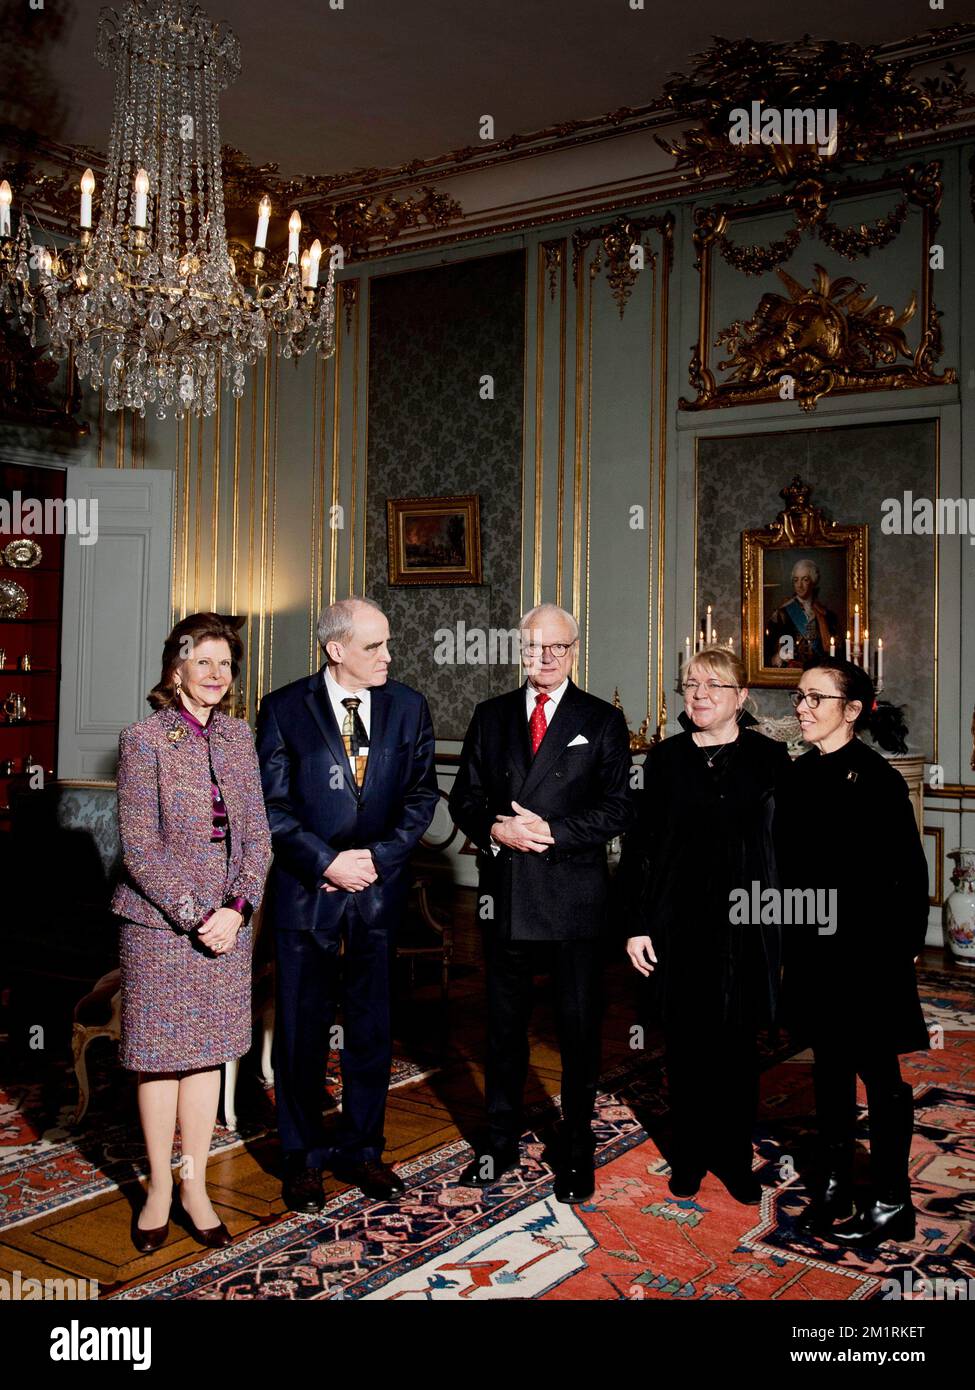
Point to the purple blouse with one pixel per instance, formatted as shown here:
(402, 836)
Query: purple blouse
(218, 833)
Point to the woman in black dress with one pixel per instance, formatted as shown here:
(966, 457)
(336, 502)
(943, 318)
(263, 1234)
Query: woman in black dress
(704, 830)
(845, 825)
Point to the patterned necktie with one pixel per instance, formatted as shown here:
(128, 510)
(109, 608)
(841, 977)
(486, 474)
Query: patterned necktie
(355, 738)
(538, 724)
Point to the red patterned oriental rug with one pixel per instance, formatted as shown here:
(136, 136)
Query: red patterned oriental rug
(633, 1240)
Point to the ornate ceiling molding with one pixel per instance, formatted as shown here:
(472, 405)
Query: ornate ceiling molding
(869, 95)
(380, 211)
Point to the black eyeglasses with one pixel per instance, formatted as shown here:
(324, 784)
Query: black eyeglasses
(811, 697)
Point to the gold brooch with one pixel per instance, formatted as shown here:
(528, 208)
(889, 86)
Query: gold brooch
(174, 735)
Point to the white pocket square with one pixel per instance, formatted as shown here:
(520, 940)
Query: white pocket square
(577, 741)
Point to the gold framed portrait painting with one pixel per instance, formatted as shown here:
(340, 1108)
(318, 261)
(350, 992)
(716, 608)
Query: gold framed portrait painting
(434, 540)
(804, 586)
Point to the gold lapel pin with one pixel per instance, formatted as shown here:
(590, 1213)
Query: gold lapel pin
(174, 735)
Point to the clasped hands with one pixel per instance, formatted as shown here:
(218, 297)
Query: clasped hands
(523, 831)
(351, 870)
(219, 932)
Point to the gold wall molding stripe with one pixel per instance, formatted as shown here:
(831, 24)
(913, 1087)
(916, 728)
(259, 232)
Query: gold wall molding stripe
(183, 610)
(577, 451)
(215, 518)
(313, 538)
(333, 537)
(174, 590)
(593, 272)
(198, 514)
(667, 235)
(539, 418)
(353, 286)
(251, 682)
(262, 584)
(274, 523)
(365, 291)
(101, 428)
(320, 552)
(235, 509)
(653, 506)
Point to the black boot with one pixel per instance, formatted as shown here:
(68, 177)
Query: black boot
(833, 1200)
(875, 1223)
(890, 1213)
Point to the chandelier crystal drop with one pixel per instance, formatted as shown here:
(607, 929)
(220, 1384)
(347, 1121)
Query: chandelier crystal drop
(150, 303)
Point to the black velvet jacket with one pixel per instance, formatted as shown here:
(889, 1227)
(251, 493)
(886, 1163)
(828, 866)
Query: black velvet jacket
(845, 824)
(702, 831)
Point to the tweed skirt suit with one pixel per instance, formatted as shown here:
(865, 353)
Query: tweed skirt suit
(184, 1007)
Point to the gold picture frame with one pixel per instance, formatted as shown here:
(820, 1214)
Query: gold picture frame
(434, 540)
(831, 561)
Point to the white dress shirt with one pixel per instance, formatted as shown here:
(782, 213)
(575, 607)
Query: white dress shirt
(550, 705)
(337, 693)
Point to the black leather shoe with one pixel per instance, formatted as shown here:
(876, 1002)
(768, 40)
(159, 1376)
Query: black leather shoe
(302, 1190)
(488, 1166)
(834, 1204)
(575, 1182)
(875, 1223)
(373, 1177)
(685, 1182)
(742, 1185)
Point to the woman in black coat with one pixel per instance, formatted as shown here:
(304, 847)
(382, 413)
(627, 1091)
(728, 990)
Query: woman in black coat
(845, 828)
(704, 833)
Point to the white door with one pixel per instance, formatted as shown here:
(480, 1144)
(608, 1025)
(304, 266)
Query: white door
(116, 613)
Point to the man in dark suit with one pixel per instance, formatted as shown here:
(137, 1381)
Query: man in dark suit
(350, 785)
(542, 786)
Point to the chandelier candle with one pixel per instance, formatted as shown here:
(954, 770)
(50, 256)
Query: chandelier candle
(6, 197)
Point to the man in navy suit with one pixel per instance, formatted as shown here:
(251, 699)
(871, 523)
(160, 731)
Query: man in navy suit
(542, 786)
(350, 785)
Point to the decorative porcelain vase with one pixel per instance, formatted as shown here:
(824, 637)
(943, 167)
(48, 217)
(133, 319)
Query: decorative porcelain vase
(960, 907)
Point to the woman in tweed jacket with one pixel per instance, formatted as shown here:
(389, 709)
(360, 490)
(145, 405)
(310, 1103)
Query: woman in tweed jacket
(195, 850)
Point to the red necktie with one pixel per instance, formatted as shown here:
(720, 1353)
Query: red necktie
(538, 724)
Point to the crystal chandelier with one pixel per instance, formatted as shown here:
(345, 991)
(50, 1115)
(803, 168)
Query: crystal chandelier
(150, 303)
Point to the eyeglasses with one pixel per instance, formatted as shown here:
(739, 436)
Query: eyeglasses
(710, 687)
(811, 697)
(558, 649)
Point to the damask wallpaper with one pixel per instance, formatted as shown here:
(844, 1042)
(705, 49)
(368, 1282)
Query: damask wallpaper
(433, 335)
(851, 471)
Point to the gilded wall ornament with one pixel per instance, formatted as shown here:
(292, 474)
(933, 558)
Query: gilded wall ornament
(875, 97)
(618, 242)
(828, 337)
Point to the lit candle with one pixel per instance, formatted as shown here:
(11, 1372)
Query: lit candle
(731, 645)
(714, 637)
(294, 231)
(315, 256)
(687, 651)
(305, 268)
(847, 644)
(700, 640)
(832, 646)
(6, 198)
(856, 625)
(87, 189)
(707, 626)
(263, 218)
(141, 198)
(880, 658)
(865, 663)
